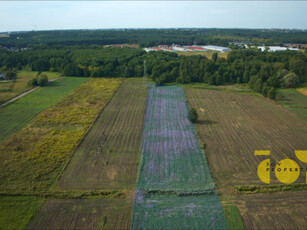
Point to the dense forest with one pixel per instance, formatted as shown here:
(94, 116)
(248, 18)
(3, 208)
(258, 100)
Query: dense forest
(151, 37)
(262, 71)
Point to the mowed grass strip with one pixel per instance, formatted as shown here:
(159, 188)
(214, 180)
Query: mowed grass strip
(108, 156)
(16, 115)
(17, 211)
(83, 214)
(232, 126)
(294, 100)
(32, 159)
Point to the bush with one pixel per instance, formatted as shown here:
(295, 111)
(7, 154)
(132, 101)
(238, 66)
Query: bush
(42, 80)
(193, 116)
(271, 93)
(33, 82)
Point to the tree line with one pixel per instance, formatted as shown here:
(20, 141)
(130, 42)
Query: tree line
(262, 71)
(151, 37)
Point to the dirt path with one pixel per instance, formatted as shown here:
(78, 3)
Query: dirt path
(25, 93)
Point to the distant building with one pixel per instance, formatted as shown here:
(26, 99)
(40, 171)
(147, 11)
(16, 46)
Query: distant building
(178, 48)
(196, 48)
(2, 76)
(276, 48)
(148, 49)
(217, 48)
(156, 49)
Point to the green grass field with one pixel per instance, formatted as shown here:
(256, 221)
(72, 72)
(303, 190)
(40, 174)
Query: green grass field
(16, 212)
(9, 89)
(233, 217)
(17, 114)
(294, 101)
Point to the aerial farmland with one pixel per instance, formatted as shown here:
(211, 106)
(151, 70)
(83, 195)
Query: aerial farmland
(194, 127)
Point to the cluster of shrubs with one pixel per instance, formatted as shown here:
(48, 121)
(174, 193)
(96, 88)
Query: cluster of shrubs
(192, 115)
(40, 80)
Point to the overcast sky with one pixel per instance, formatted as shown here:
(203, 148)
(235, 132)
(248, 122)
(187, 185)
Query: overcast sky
(45, 15)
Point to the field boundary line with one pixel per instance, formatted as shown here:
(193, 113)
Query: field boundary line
(252, 189)
(70, 194)
(86, 133)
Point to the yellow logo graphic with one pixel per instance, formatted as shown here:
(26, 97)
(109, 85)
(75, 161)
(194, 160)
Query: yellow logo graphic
(287, 171)
(263, 173)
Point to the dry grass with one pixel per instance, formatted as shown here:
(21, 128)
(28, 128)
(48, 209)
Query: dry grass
(234, 125)
(285, 210)
(302, 91)
(32, 158)
(84, 214)
(108, 156)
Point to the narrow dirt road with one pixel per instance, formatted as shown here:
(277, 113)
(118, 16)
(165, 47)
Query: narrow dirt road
(25, 93)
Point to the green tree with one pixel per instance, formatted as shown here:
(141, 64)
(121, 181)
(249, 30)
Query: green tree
(4, 69)
(42, 80)
(271, 93)
(11, 75)
(291, 80)
(214, 56)
(193, 116)
(258, 85)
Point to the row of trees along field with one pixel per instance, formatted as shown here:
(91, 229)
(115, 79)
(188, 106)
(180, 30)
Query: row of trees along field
(263, 71)
(151, 37)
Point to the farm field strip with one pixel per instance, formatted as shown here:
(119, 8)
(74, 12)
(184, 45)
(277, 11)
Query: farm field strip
(16, 115)
(83, 214)
(117, 134)
(172, 158)
(233, 126)
(33, 158)
(284, 210)
(177, 212)
(172, 164)
(109, 154)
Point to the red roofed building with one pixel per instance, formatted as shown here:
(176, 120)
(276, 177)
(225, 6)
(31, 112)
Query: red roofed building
(195, 48)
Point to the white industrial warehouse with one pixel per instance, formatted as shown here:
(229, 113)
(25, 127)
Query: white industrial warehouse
(176, 48)
(217, 48)
(276, 48)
